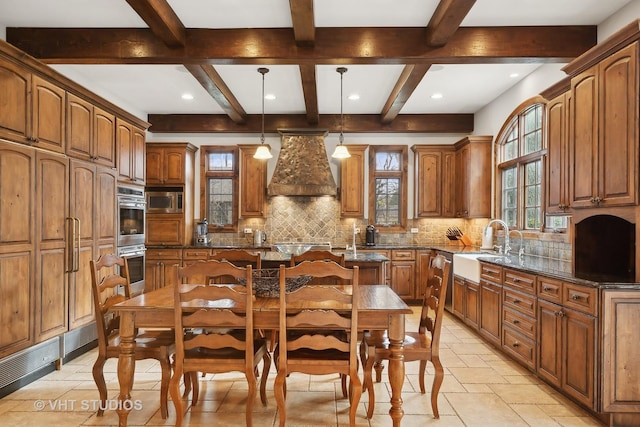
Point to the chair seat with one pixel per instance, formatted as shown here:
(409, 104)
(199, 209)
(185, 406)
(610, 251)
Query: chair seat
(224, 353)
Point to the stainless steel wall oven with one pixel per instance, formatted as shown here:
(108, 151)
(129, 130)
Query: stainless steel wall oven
(135, 256)
(131, 216)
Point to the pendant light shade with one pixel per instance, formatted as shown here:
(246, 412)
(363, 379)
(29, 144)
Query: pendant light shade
(263, 151)
(341, 151)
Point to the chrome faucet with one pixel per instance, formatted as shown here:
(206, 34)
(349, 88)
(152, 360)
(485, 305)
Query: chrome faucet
(507, 247)
(521, 249)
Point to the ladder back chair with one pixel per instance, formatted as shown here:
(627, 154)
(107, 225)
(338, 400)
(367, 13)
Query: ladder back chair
(217, 336)
(109, 273)
(422, 345)
(309, 312)
(237, 257)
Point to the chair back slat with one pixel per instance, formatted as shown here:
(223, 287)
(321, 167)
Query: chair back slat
(213, 318)
(433, 299)
(214, 341)
(318, 342)
(320, 293)
(311, 318)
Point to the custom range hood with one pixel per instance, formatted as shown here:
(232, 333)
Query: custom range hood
(302, 168)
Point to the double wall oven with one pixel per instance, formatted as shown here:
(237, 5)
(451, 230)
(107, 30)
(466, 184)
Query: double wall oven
(131, 226)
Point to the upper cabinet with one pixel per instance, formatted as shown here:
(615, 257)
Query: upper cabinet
(473, 177)
(352, 183)
(434, 180)
(557, 157)
(131, 152)
(253, 183)
(169, 163)
(90, 132)
(32, 110)
(603, 132)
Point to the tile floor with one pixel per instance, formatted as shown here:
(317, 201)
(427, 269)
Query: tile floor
(481, 388)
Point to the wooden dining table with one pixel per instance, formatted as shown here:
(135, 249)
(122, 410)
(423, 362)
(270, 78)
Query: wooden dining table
(379, 308)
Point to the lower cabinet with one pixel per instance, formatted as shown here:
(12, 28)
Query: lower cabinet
(466, 301)
(403, 272)
(490, 311)
(161, 268)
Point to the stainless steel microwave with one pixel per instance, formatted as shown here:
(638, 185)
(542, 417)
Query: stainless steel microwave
(165, 201)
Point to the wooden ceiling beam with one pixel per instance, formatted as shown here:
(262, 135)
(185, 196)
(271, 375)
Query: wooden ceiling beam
(162, 20)
(220, 123)
(446, 20)
(310, 92)
(209, 78)
(262, 46)
(304, 26)
(409, 79)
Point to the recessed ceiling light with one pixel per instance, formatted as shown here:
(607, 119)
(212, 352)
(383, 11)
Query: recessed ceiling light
(270, 96)
(514, 75)
(436, 96)
(187, 96)
(354, 97)
(436, 68)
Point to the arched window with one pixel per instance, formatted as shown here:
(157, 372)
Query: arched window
(519, 166)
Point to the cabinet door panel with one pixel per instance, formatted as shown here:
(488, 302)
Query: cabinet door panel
(15, 300)
(253, 183)
(106, 204)
(15, 102)
(402, 276)
(472, 304)
(154, 167)
(549, 342)
(48, 115)
(429, 184)
(79, 127)
(490, 309)
(16, 198)
(583, 153)
(618, 122)
(104, 137)
(138, 155)
(174, 167)
(579, 356)
(352, 198)
(458, 297)
(124, 139)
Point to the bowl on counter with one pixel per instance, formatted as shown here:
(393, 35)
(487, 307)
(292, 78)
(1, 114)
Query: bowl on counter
(266, 282)
(292, 248)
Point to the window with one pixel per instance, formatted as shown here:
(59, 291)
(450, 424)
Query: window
(219, 179)
(520, 168)
(388, 187)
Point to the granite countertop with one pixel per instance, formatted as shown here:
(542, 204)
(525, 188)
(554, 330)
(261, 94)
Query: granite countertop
(558, 269)
(348, 256)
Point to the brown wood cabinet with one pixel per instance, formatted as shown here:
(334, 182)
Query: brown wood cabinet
(519, 316)
(466, 301)
(32, 109)
(604, 132)
(557, 157)
(170, 163)
(373, 273)
(620, 392)
(130, 141)
(51, 290)
(473, 177)
(352, 194)
(403, 272)
(17, 174)
(161, 268)
(434, 180)
(490, 319)
(90, 132)
(93, 205)
(253, 183)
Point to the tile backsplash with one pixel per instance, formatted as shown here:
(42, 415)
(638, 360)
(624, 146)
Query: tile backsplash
(317, 219)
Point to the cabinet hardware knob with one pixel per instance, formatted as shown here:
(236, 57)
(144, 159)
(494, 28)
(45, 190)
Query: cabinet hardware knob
(516, 344)
(546, 288)
(516, 301)
(516, 322)
(575, 297)
(560, 313)
(516, 280)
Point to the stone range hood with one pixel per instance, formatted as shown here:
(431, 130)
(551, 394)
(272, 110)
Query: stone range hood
(302, 168)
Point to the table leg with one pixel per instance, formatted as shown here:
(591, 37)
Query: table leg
(126, 365)
(396, 366)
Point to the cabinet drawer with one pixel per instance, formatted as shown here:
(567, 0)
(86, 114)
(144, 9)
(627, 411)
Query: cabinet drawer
(580, 298)
(490, 272)
(164, 253)
(520, 347)
(196, 253)
(518, 301)
(550, 289)
(403, 254)
(522, 281)
(519, 322)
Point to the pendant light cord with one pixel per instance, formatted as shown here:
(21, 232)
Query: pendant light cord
(341, 70)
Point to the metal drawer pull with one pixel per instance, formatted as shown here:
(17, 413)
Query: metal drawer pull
(546, 288)
(575, 297)
(516, 301)
(516, 344)
(559, 313)
(516, 322)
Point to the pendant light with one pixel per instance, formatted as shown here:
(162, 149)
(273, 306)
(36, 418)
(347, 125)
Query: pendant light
(263, 151)
(341, 151)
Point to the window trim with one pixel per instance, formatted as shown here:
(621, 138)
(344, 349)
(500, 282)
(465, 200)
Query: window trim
(519, 163)
(402, 174)
(204, 190)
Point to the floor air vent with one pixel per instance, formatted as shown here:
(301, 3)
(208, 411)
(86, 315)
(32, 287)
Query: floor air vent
(27, 361)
